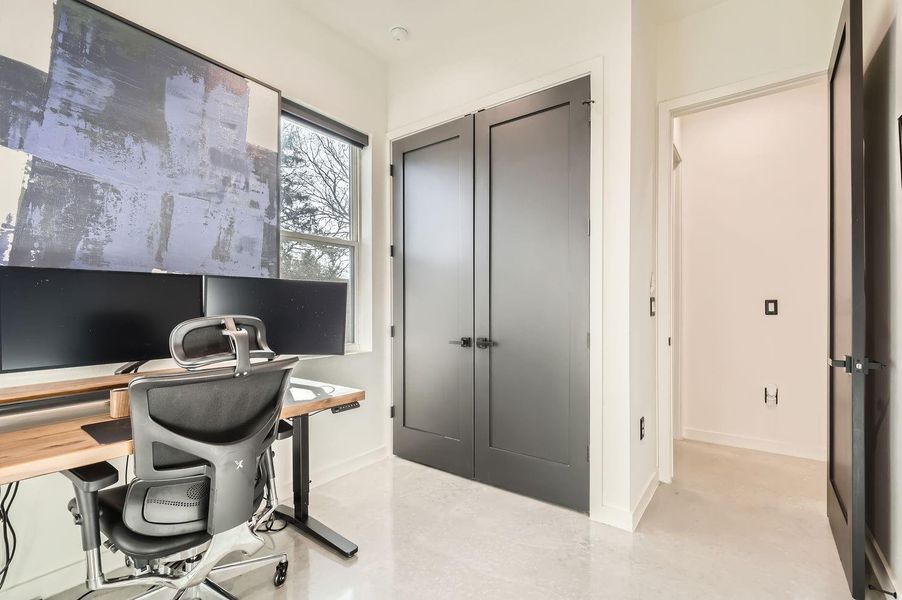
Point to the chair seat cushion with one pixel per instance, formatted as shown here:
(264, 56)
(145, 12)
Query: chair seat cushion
(134, 544)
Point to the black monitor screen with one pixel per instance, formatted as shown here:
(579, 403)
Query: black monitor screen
(301, 317)
(65, 318)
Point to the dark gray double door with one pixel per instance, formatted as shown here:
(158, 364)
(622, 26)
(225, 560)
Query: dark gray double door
(491, 295)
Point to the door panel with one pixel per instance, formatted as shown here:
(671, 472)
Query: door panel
(846, 470)
(433, 275)
(532, 297)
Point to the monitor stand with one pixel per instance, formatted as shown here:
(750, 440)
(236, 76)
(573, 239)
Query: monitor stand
(130, 367)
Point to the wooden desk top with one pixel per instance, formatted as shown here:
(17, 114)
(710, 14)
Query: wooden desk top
(37, 451)
(72, 387)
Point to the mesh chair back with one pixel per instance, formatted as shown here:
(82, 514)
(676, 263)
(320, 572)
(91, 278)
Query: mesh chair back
(199, 436)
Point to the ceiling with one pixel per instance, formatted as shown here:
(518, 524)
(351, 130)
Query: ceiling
(434, 24)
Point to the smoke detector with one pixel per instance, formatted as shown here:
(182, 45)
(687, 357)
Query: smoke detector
(399, 34)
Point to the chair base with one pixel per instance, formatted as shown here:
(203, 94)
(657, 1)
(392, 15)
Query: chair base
(209, 589)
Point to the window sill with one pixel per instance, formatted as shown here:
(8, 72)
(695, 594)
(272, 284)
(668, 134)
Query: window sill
(350, 350)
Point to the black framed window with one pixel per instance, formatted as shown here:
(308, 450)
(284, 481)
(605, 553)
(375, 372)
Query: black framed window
(319, 219)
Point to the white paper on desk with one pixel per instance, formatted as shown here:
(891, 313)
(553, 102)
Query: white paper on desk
(299, 394)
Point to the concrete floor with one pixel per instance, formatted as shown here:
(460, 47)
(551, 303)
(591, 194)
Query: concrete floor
(734, 524)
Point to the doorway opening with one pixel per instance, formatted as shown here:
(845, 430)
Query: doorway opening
(743, 271)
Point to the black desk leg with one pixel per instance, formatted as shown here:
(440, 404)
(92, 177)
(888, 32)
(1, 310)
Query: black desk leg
(300, 485)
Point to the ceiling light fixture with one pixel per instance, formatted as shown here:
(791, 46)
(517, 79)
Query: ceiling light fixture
(399, 34)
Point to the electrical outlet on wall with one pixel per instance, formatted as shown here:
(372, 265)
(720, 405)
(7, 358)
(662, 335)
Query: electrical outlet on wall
(641, 428)
(771, 395)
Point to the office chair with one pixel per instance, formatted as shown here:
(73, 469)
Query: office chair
(203, 466)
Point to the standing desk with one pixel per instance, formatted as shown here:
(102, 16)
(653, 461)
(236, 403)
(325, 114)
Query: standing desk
(44, 449)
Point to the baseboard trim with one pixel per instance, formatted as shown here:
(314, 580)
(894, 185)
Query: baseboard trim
(651, 486)
(879, 564)
(332, 472)
(628, 520)
(615, 517)
(752, 443)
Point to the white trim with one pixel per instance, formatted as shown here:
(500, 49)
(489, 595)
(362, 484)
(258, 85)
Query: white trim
(752, 443)
(591, 67)
(615, 517)
(628, 520)
(880, 566)
(332, 472)
(651, 486)
(667, 111)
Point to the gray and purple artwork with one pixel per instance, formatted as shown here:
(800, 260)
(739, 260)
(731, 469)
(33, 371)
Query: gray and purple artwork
(120, 151)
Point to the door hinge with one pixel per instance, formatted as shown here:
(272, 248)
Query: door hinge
(587, 453)
(589, 227)
(391, 170)
(391, 411)
(391, 251)
(391, 331)
(588, 339)
(669, 342)
(589, 104)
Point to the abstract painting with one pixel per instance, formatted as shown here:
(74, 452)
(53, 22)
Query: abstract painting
(122, 151)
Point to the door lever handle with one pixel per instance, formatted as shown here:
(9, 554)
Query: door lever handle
(485, 342)
(464, 342)
(850, 365)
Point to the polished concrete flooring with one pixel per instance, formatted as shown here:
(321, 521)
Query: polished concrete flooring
(734, 524)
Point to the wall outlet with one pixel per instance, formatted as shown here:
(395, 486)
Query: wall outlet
(642, 429)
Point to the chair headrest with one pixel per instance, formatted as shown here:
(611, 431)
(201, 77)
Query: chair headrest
(205, 341)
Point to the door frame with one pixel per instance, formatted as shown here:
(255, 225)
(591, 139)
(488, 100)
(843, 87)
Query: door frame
(668, 271)
(604, 377)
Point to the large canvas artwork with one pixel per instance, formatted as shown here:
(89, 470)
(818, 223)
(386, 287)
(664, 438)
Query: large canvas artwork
(121, 151)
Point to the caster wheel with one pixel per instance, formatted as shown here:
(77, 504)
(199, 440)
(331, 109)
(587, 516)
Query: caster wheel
(281, 574)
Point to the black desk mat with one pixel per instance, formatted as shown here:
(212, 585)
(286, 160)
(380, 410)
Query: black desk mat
(110, 432)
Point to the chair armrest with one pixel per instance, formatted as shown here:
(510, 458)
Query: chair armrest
(88, 481)
(93, 478)
(284, 429)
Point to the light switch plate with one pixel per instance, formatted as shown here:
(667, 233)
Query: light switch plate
(770, 307)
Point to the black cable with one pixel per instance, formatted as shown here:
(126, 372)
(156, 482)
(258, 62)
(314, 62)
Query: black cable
(271, 524)
(85, 595)
(10, 539)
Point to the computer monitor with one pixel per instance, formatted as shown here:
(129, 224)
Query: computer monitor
(53, 318)
(301, 317)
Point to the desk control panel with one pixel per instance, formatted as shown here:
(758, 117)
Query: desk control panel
(345, 407)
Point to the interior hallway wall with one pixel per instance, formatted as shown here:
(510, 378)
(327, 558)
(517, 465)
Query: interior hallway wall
(276, 43)
(740, 40)
(755, 227)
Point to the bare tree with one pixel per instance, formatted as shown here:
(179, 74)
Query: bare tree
(315, 179)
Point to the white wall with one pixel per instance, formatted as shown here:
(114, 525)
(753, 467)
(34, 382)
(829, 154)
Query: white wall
(740, 40)
(278, 44)
(755, 226)
(883, 105)
(542, 45)
(643, 453)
